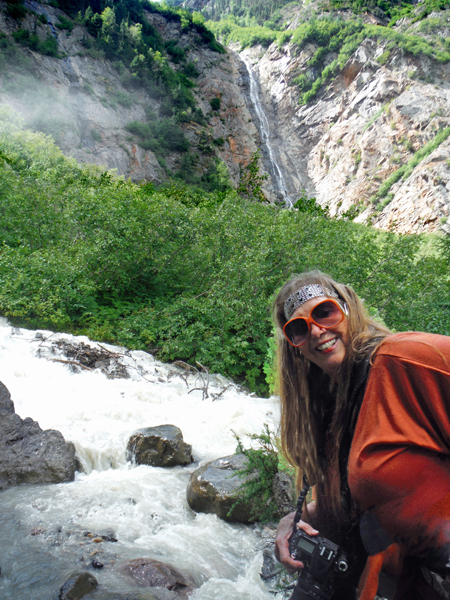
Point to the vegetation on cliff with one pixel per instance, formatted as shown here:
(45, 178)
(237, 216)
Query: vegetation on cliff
(337, 37)
(186, 276)
(122, 33)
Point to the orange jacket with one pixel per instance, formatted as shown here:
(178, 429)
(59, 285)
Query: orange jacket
(399, 464)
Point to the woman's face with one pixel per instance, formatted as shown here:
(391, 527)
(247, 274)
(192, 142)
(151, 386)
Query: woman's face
(324, 347)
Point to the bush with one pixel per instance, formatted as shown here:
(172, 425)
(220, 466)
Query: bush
(161, 136)
(16, 9)
(215, 103)
(65, 23)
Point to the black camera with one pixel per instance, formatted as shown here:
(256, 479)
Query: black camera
(325, 564)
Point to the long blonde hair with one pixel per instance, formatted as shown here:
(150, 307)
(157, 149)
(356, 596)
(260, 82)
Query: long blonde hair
(314, 409)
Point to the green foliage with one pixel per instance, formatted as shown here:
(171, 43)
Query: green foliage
(310, 206)
(257, 12)
(179, 272)
(65, 23)
(229, 32)
(49, 46)
(251, 180)
(161, 136)
(16, 9)
(258, 475)
(393, 9)
(270, 364)
(215, 103)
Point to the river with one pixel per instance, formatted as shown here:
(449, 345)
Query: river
(46, 531)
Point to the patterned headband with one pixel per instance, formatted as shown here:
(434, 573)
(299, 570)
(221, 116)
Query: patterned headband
(303, 295)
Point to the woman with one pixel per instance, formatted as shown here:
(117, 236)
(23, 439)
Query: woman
(364, 416)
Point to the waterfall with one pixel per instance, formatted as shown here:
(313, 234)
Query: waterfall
(44, 529)
(264, 130)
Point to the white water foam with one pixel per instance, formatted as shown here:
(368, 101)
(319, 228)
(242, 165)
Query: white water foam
(41, 527)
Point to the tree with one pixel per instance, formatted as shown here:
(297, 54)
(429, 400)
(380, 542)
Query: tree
(251, 180)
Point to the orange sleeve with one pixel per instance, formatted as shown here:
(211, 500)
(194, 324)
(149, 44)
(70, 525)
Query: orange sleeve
(399, 464)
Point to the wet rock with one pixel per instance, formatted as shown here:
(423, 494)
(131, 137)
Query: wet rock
(161, 446)
(270, 567)
(284, 493)
(28, 454)
(213, 486)
(77, 585)
(154, 594)
(147, 572)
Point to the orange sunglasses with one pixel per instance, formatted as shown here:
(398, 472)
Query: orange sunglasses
(326, 314)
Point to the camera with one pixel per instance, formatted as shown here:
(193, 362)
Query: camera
(324, 565)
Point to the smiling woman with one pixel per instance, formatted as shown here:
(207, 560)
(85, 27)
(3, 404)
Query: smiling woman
(360, 409)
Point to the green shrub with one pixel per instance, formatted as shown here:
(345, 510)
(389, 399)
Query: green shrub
(65, 23)
(161, 136)
(258, 476)
(16, 9)
(190, 70)
(215, 103)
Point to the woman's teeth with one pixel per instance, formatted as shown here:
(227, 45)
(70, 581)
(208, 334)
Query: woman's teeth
(326, 345)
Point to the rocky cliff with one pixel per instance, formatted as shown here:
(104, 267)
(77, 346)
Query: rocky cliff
(86, 101)
(384, 106)
(353, 147)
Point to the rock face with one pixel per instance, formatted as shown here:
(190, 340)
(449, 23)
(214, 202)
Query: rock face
(212, 489)
(284, 493)
(370, 121)
(86, 103)
(147, 572)
(28, 454)
(161, 446)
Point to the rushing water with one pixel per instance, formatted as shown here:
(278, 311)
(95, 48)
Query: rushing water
(44, 529)
(264, 130)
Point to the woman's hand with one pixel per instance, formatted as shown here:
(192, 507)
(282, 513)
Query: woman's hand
(284, 532)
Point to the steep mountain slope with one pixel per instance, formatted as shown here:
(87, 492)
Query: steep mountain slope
(367, 137)
(102, 110)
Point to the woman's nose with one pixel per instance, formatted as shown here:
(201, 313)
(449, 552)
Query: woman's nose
(316, 330)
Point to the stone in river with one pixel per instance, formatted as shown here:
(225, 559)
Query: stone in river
(160, 446)
(212, 489)
(28, 454)
(77, 585)
(147, 572)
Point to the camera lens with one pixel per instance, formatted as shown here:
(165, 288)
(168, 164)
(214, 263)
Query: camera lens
(342, 566)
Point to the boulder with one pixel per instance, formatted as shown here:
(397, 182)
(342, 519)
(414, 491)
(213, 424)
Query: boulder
(161, 446)
(212, 489)
(147, 572)
(284, 493)
(77, 585)
(28, 454)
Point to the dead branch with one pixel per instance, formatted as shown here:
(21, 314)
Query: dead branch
(70, 362)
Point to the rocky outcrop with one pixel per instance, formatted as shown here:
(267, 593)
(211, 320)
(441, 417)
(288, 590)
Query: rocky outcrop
(359, 130)
(28, 454)
(212, 489)
(77, 586)
(86, 101)
(160, 446)
(147, 572)
(284, 493)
